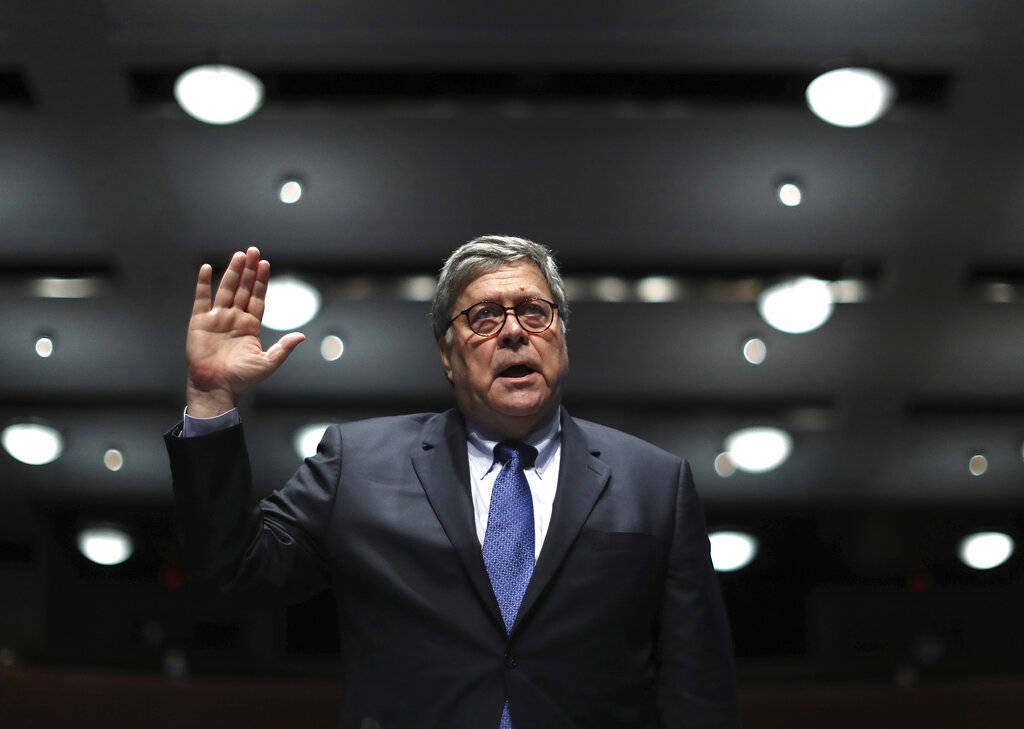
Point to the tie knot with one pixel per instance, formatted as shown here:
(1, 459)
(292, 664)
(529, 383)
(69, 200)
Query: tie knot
(512, 451)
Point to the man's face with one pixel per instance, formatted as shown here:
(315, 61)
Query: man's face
(510, 382)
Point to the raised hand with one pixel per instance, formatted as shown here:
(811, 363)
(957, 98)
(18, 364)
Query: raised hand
(223, 344)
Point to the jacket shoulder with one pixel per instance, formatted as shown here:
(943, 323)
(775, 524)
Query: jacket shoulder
(615, 444)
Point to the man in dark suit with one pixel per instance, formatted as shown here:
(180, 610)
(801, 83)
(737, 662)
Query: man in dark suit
(498, 565)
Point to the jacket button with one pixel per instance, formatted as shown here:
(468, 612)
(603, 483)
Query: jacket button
(510, 661)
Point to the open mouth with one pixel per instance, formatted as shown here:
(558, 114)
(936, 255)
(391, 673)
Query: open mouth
(516, 371)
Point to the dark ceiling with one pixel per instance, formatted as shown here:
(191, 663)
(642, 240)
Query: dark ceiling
(886, 402)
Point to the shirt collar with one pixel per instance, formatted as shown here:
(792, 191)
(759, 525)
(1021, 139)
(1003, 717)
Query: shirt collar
(481, 442)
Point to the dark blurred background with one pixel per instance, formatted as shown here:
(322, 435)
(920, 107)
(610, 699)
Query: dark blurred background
(645, 142)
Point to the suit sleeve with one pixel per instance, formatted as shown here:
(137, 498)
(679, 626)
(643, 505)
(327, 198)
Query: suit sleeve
(228, 542)
(696, 674)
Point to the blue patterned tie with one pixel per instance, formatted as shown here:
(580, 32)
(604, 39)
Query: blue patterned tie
(508, 544)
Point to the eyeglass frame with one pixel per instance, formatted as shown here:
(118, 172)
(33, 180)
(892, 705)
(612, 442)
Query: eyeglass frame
(505, 311)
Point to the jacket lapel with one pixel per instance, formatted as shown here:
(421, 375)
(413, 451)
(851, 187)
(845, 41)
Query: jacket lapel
(582, 478)
(442, 467)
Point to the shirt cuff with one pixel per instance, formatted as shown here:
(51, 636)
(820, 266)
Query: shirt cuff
(194, 427)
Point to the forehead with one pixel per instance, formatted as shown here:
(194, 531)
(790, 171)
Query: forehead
(516, 280)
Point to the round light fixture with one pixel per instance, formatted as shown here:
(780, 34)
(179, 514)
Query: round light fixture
(986, 550)
(760, 449)
(290, 191)
(731, 551)
(105, 544)
(44, 346)
(850, 97)
(724, 466)
(308, 437)
(113, 459)
(32, 443)
(755, 351)
(796, 306)
(418, 288)
(789, 194)
(218, 94)
(290, 303)
(610, 288)
(658, 289)
(332, 347)
(978, 465)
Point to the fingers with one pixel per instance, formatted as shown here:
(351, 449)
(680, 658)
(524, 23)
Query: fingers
(229, 281)
(248, 278)
(258, 300)
(201, 304)
(283, 347)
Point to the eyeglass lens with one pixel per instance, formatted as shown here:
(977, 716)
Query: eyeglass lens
(534, 315)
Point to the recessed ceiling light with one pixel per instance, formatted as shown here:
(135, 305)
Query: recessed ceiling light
(850, 97)
(724, 466)
(419, 288)
(32, 443)
(308, 437)
(290, 191)
(760, 449)
(658, 289)
(105, 544)
(796, 306)
(986, 550)
(789, 194)
(44, 347)
(50, 287)
(755, 351)
(290, 303)
(331, 348)
(113, 459)
(218, 94)
(731, 551)
(610, 288)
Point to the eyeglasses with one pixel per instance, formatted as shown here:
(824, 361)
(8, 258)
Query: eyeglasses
(488, 317)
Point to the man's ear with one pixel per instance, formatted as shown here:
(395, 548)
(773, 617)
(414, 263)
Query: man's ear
(446, 361)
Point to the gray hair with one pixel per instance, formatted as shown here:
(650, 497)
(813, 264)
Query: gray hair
(482, 255)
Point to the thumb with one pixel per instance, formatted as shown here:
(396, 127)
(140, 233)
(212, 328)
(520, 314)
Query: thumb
(283, 347)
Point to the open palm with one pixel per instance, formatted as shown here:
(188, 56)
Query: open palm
(223, 345)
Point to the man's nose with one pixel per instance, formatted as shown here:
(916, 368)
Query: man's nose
(512, 333)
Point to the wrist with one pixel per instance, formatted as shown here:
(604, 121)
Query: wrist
(208, 403)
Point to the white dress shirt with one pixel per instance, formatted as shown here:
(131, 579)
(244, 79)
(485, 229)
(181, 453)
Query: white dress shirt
(542, 477)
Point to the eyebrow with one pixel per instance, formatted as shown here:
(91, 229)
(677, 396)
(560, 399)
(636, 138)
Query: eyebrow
(517, 300)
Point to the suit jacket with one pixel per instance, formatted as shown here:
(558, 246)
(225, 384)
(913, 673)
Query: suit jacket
(622, 624)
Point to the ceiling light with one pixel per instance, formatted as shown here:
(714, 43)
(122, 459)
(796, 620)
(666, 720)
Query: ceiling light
(657, 289)
(290, 191)
(331, 348)
(850, 97)
(218, 94)
(419, 288)
(290, 303)
(977, 465)
(789, 194)
(44, 347)
(986, 550)
(796, 306)
(757, 450)
(32, 443)
(105, 544)
(66, 288)
(755, 351)
(308, 437)
(611, 288)
(113, 459)
(731, 551)
(724, 466)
